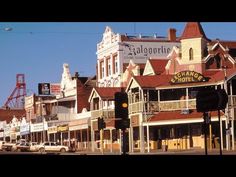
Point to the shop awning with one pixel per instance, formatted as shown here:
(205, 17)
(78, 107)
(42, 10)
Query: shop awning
(72, 98)
(175, 117)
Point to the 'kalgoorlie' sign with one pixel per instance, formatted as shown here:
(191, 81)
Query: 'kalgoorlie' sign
(187, 77)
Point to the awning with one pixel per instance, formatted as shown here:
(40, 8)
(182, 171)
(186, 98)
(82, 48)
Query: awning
(175, 117)
(78, 124)
(73, 98)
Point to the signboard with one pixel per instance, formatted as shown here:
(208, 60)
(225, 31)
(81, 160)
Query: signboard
(52, 129)
(29, 101)
(38, 127)
(25, 129)
(7, 130)
(44, 89)
(187, 77)
(78, 127)
(62, 128)
(55, 89)
(145, 50)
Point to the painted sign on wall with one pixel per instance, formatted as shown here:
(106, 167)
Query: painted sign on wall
(145, 50)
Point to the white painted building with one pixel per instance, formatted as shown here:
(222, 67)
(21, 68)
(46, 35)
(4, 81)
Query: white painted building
(115, 51)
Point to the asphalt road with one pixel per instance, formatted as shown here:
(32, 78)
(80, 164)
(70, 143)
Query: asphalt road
(186, 152)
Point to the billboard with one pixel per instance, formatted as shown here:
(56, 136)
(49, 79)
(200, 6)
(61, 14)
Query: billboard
(44, 88)
(55, 88)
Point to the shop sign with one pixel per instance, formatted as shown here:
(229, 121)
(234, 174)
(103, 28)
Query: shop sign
(78, 127)
(38, 127)
(7, 129)
(24, 129)
(187, 77)
(52, 129)
(62, 128)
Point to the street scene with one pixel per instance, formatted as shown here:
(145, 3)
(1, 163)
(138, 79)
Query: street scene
(139, 95)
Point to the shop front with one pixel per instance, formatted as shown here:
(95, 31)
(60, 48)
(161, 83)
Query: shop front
(79, 134)
(38, 132)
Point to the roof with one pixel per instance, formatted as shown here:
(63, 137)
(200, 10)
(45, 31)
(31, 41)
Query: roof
(152, 81)
(224, 43)
(174, 115)
(146, 39)
(164, 80)
(7, 114)
(158, 65)
(107, 92)
(193, 30)
(141, 66)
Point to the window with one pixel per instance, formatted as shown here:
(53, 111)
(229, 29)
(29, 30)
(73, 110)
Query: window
(109, 67)
(103, 69)
(190, 54)
(116, 64)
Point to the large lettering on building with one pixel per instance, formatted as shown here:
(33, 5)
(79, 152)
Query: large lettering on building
(187, 77)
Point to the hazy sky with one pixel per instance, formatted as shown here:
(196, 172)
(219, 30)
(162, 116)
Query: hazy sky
(39, 50)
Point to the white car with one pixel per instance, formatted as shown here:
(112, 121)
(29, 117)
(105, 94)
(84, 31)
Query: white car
(52, 147)
(34, 146)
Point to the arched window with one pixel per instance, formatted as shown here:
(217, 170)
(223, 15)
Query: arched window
(190, 54)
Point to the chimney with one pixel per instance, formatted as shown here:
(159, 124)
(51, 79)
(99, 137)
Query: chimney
(172, 34)
(76, 74)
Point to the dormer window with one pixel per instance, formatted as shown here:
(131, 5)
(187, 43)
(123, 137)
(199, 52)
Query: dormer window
(190, 54)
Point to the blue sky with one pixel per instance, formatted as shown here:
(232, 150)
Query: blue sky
(39, 49)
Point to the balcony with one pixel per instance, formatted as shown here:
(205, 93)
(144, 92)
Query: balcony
(153, 106)
(177, 105)
(150, 106)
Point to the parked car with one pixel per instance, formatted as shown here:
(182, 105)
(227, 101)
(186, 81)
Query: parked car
(8, 146)
(34, 146)
(52, 147)
(21, 147)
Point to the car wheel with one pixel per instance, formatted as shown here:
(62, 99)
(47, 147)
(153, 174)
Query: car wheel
(41, 150)
(62, 150)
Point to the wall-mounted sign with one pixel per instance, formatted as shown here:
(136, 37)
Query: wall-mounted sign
(55, 89)
(38, 127)
(25, 129)
(144, 50)
(44, 89)
(52, 129)
(62, 128)
(187, 77)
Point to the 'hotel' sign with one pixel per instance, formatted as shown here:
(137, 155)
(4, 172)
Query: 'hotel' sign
(187, 77)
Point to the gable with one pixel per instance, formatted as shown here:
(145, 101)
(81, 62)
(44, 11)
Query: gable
(148, 70)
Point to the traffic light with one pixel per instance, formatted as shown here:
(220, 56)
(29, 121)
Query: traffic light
(101, 123)
(122, 124)
(121, 105)
(211, 100)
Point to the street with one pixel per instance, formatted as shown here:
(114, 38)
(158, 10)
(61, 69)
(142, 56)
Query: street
(185, 152)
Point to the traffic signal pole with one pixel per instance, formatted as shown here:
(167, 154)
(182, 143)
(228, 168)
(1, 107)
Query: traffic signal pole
(220, 132)
(101, 141)
(205, 130)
